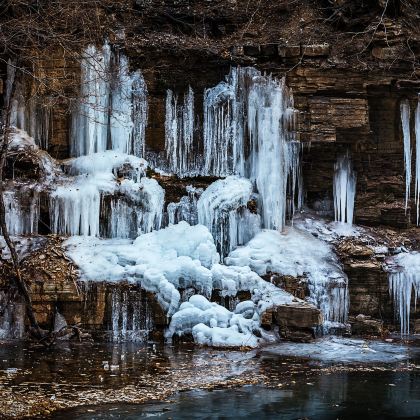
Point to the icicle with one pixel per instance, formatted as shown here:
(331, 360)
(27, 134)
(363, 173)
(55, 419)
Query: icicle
(128, 119)
(344, 190)
(295, 178)
(221, 209)
(404, 282)
(22, 211)
(405, 122)
(131, 319)
(179, 133)
(140, 114)
(74, 209)
(417, 185)
(90, 121)
(269, 118)
(186, 208)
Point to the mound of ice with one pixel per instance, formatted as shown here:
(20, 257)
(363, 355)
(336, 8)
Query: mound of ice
(109, 161)
(299, 254)
(222, 208)
(161, 261)
(21, 142)
(213, 325)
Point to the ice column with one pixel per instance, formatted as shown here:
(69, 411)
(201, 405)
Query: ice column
(344, 190)
(405, 122)
(90, 121)
(186, 208)
(417, 184)
(270, 114)
(222, 208)
(22, 211)
(128, 117)
(404, 283)
(179, 133)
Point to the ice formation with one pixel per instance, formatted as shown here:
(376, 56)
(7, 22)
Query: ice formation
(248, 121)
(182, 257)
(31, 113)
(417, 184)
(405, 122)
(179, 134)
(74, 209)
(129, 109)
(131, 318)
(22, 211)
(111, 162)
(404, 283)
(299, 254)
(107, 175)
(222, 208)
(112, 110)
(270, 114)
(90, 120)
(186, 208)
(224, 140)
(161, 261)
(213, 325)
(344, 190)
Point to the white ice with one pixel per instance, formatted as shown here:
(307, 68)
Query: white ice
(417, 181)
(343, 350)
(404, 282)
(222, 208)
(405, 122)
(179, 134)
(297, 253)
(344, 190)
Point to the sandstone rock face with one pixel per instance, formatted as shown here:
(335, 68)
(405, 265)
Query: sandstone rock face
(366, 326)
(296, 322)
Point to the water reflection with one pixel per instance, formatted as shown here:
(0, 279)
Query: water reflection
(337, 396)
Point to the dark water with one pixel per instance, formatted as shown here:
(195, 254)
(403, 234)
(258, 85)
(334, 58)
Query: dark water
(304, 387)
(389, 395)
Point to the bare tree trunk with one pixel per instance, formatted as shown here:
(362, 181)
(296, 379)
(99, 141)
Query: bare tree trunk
(4, 143)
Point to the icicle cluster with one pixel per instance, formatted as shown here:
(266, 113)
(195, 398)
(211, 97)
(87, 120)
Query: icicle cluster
(247, 130)
(405, 122)
(222, 208)
(112, 106)
(22, 211)
(131, 318)
(417, 181)
(404, 282)
(186, 208)
(108, 136)
(344, 190)
(179, 134)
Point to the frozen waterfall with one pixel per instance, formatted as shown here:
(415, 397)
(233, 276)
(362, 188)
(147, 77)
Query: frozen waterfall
(417, 184)
(248, 124)
(405, 122)
(404, 285)
(222, 207)
(344, 190)
(112, 105)
(22, 211)
(179, 134)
